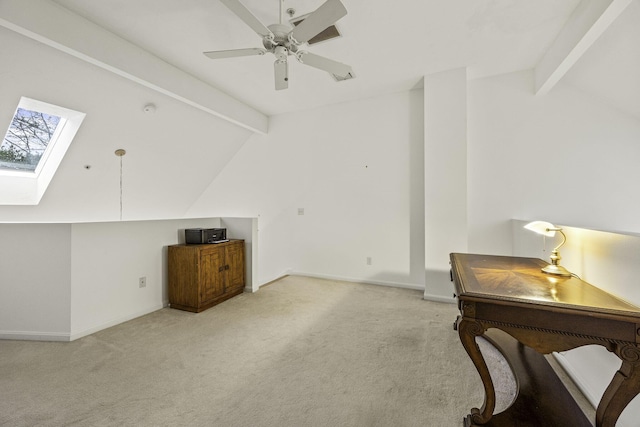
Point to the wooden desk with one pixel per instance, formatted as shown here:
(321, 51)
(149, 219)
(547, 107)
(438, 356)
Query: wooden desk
(545, 313)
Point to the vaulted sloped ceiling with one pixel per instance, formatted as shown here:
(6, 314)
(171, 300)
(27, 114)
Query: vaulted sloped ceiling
(172, 154)
(610, 69)
(109, 58)
(390, 45)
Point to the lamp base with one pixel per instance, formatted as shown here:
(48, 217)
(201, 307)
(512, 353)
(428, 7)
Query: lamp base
(557, 270)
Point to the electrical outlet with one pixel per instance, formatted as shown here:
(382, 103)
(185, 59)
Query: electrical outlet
(142, 282)
(368, 260)
(300, 211)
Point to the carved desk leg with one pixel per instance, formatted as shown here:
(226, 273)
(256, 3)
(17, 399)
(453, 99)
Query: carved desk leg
(624, 386)
(468, 330)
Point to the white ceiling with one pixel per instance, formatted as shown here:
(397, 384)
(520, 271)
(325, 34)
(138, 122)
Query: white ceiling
(50, 53)
(390, 45)
(610, 69)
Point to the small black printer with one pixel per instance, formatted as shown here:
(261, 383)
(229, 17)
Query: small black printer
(198, 236)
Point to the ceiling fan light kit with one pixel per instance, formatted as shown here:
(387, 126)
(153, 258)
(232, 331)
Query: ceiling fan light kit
(283, 41)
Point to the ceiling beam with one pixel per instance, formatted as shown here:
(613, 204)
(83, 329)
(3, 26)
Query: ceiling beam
(588, 22)
(59, 28)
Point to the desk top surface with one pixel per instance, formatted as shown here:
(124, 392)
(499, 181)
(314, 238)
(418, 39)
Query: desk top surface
(520, 280)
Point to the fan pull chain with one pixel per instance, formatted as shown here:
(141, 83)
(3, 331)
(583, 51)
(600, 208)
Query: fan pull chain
(120, 188)
(120, 152)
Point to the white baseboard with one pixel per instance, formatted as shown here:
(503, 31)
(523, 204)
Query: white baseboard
(66, 337)
(577, 380)
(268, 282)
(355, 280)
(35, 336)
(114, 322)
(440, 298)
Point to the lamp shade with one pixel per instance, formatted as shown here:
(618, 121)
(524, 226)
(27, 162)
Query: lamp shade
(542, 227)
(549, 230)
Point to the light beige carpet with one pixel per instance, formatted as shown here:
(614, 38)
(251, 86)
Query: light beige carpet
(299, 352)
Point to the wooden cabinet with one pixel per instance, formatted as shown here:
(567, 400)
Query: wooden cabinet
(201, 276)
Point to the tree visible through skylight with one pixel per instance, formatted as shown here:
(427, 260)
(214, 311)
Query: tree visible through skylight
(27, 139)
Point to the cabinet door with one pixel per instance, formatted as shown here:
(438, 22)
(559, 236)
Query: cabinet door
(212, 264)
(235, 264)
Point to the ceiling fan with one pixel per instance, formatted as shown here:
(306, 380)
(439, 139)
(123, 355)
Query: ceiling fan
(283, 40)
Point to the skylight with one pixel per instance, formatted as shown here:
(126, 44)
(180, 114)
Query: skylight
(29, 137)
(33, 147)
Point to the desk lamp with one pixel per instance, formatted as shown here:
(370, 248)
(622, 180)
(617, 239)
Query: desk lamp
(549, 230)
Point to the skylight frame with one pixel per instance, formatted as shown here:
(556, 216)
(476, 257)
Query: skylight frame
(40, 107)
(26, 187)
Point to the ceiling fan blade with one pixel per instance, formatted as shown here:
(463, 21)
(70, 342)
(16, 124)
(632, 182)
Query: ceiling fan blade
(319, 20)
(334, 67)
(249, 18)
(218, 54)
(282, 74)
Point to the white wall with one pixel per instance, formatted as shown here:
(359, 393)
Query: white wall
(445, 166)
(107, 261)
(352, 168)
(60, 282)
(564, 157)
(35, 277)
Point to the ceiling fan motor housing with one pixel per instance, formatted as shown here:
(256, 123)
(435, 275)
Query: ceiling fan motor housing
(280, 39)
(281, 53)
